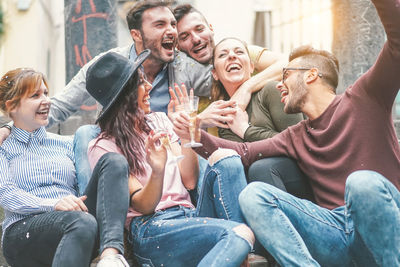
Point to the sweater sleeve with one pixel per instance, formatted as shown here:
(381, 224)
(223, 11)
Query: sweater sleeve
(249, 152)
(382, 80)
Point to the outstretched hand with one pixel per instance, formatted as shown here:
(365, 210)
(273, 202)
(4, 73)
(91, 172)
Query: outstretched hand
(176, 105)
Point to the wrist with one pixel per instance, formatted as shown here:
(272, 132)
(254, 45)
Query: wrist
(6, 126)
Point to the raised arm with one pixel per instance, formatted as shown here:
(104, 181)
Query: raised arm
(269, 67)
(382, 81)
(74, 95)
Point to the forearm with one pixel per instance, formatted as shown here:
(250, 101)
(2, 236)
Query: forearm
(255, 133)
(146, 200)
(189, 167)
(273, 73)
(22, 202)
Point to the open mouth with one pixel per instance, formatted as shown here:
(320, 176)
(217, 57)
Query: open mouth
(284, 94)
(146, 100)
(43, 112)
(199, 48)
(233, 67)
(168, 44)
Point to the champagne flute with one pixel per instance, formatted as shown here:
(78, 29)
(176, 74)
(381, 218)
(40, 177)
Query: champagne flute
(158, 124)
(191, 105)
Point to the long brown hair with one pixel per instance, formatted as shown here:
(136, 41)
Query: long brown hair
(125, 122)
(218, 91)
(17, 84)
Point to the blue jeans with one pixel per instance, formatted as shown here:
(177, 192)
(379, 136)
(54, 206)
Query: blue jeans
(82, 137)
(179, 236)
(297, 232)
(283, 173)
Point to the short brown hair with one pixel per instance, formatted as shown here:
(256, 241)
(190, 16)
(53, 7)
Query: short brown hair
(182, 10)
(18, 83)
(323, 60)
(134, 17)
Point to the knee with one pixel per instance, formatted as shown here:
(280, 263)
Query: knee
(219, 154)
(364, 186)
(86, 133)
(251, 195)
(363, 183)
(83, 225)
(245, 232)
(114, 162)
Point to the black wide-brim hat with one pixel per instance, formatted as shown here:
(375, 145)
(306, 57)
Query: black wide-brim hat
(106, 77)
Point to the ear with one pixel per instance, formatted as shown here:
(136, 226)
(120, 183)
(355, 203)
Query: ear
(311, 75)
(136, 36)
(214, 74)
(211, 27)
(8, 106)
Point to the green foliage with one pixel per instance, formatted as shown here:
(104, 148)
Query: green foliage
(1, 22)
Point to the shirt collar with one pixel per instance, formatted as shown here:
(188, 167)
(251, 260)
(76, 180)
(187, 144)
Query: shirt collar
(24, 136)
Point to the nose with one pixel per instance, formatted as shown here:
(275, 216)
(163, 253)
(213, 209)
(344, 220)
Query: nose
(232, 54)
(171, 30)
(195, 38)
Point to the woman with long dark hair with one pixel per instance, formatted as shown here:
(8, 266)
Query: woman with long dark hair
(165, 228)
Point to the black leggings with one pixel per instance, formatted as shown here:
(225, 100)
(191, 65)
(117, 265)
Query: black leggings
(283, 173)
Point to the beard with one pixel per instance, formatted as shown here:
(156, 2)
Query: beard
(156, 50)
(297, 99)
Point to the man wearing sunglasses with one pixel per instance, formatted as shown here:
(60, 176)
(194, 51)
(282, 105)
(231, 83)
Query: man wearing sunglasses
(348, 149)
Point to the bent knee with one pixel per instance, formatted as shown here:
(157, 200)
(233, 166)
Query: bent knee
(246, 233)
(219, 154)
(115, 162)
(363, 182)
(83, 224)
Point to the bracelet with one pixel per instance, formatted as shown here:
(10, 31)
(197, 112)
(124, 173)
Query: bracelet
(6, 126)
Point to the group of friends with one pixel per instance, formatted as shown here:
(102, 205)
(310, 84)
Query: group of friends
(294, 171)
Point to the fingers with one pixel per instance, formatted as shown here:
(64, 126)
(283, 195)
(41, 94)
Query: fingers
(81, 203)
(70, 203)
(179, 92)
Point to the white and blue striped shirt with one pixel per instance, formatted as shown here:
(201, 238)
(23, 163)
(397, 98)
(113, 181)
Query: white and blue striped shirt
(36, 170)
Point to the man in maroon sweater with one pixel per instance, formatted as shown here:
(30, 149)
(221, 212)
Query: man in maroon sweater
(348, 149)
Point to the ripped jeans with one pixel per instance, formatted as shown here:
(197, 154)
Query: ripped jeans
(179, 236)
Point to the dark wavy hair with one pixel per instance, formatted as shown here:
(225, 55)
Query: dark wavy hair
(125, 122)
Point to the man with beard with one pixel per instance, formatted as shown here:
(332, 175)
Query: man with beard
(349, 150)
(196, 39)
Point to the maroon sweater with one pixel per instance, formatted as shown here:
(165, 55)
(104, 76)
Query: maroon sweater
(355, 132)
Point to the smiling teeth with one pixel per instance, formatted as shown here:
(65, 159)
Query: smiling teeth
(233, 66)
